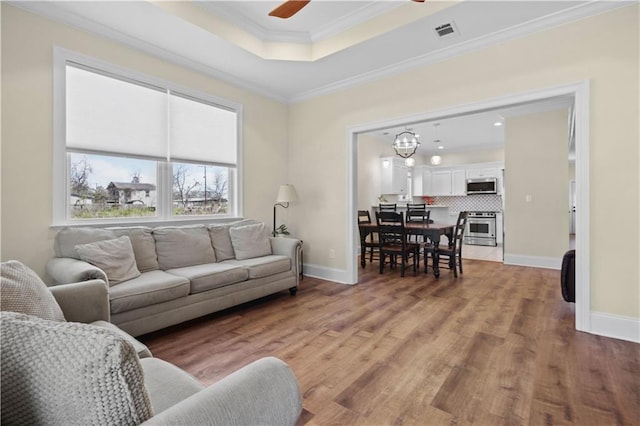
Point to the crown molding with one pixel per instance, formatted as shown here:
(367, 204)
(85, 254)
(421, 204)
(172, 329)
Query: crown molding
(230, 13)
(581, 11)
(563, 17)
(357, 17)
(49, 11)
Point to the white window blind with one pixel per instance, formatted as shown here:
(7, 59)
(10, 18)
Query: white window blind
(201, 132)
(110, 115)
(106, 114)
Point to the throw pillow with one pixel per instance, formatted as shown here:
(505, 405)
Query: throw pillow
(250, 241)
(67, 373)
(115, 257)
(222, 241)
(144, 246)
(22, 290)
(182, 246)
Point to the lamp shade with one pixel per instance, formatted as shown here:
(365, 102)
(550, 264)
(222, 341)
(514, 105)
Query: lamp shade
(286, 194)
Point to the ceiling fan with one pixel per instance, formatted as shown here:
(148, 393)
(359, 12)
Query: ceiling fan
(291, 7)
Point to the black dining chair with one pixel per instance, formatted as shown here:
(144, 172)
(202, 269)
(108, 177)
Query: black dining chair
(394, 242)
(371, 238)
(387, 207)
(451, 254)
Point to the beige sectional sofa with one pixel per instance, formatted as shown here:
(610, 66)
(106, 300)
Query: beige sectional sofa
(166, 275)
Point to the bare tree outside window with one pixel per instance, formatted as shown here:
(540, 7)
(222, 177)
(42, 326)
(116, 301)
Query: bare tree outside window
(182, 189)
(80, 172)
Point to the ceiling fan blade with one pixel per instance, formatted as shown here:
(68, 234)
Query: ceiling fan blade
(288, 8)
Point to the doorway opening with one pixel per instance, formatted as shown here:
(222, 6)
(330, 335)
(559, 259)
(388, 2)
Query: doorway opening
(580, 94)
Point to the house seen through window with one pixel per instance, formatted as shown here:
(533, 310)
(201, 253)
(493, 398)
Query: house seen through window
(137, 149)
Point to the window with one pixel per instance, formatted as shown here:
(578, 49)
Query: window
(133, 148)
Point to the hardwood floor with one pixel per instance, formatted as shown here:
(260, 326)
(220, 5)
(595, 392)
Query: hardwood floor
(495, 346)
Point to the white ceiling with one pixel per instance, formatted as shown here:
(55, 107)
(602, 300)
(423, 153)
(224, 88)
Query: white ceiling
(347, 42)
(469, 132)
(327, 46)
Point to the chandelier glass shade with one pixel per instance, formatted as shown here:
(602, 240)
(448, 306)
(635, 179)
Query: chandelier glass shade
(406, 144)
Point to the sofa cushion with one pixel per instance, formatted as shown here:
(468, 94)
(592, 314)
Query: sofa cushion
(65, 373)
(264, 266)
(222, 241)
(115, 257)
(144, 246)
(167, 384)
(141, 349)
(22, 290)
(68, 238)
(179, 246)
(250, 241)
(149, 288)
(211, 275)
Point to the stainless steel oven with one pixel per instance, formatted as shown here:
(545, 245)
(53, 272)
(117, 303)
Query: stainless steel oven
(481, 229)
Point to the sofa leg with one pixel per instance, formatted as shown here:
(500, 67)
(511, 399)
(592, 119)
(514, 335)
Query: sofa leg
(293, 290)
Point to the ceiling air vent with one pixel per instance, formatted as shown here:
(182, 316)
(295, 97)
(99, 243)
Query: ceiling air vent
(446, 30)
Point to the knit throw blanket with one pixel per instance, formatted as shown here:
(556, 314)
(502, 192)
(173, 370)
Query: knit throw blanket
(63, 373)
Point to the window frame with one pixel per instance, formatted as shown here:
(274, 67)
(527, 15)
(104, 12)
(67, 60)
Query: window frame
(61, 172)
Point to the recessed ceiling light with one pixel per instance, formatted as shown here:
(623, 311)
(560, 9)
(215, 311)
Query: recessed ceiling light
(440, 147)
(498, 123)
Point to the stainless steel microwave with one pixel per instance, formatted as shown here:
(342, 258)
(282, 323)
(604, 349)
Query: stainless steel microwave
(482, 186)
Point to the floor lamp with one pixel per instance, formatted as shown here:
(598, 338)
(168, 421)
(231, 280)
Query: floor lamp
(286, 195)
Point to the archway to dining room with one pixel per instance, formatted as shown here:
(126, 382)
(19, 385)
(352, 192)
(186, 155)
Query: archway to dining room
(362, 144)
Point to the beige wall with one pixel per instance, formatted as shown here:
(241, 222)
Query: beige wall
(567, 54)
(537, 166)
(317, 163)
(27, 127)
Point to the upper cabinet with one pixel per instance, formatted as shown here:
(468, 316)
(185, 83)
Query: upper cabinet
(421, 181)
(393, 175)
(487, 172)
(448, 182)
(452, 181)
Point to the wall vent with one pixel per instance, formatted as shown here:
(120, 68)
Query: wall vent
(446, 30)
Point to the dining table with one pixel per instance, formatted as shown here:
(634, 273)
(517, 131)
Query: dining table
(431, 231)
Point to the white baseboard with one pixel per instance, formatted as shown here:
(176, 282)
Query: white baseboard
(533, 261)
(615, 326)
(330, 274)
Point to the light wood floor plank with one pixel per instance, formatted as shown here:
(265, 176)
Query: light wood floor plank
(497, 346)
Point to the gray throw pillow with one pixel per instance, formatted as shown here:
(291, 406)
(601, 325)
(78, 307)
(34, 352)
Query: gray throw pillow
(181, 246)
(22, 290)
(222, 241)
(115, 257)
(250, 241)
(144, 246)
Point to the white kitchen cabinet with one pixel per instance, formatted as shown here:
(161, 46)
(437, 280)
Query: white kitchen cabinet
(448, 182)
(458, 182)
(487, 172)
(393, 176)
(421, 181)
(441, 182)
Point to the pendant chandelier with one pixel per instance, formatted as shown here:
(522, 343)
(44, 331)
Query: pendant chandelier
(406, 143)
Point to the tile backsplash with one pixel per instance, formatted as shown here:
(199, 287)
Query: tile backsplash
(479, 202)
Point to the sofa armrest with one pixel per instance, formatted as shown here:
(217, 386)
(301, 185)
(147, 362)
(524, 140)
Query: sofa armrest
(265, 392)
(86, 301)
(291, 247)
(65, 270)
